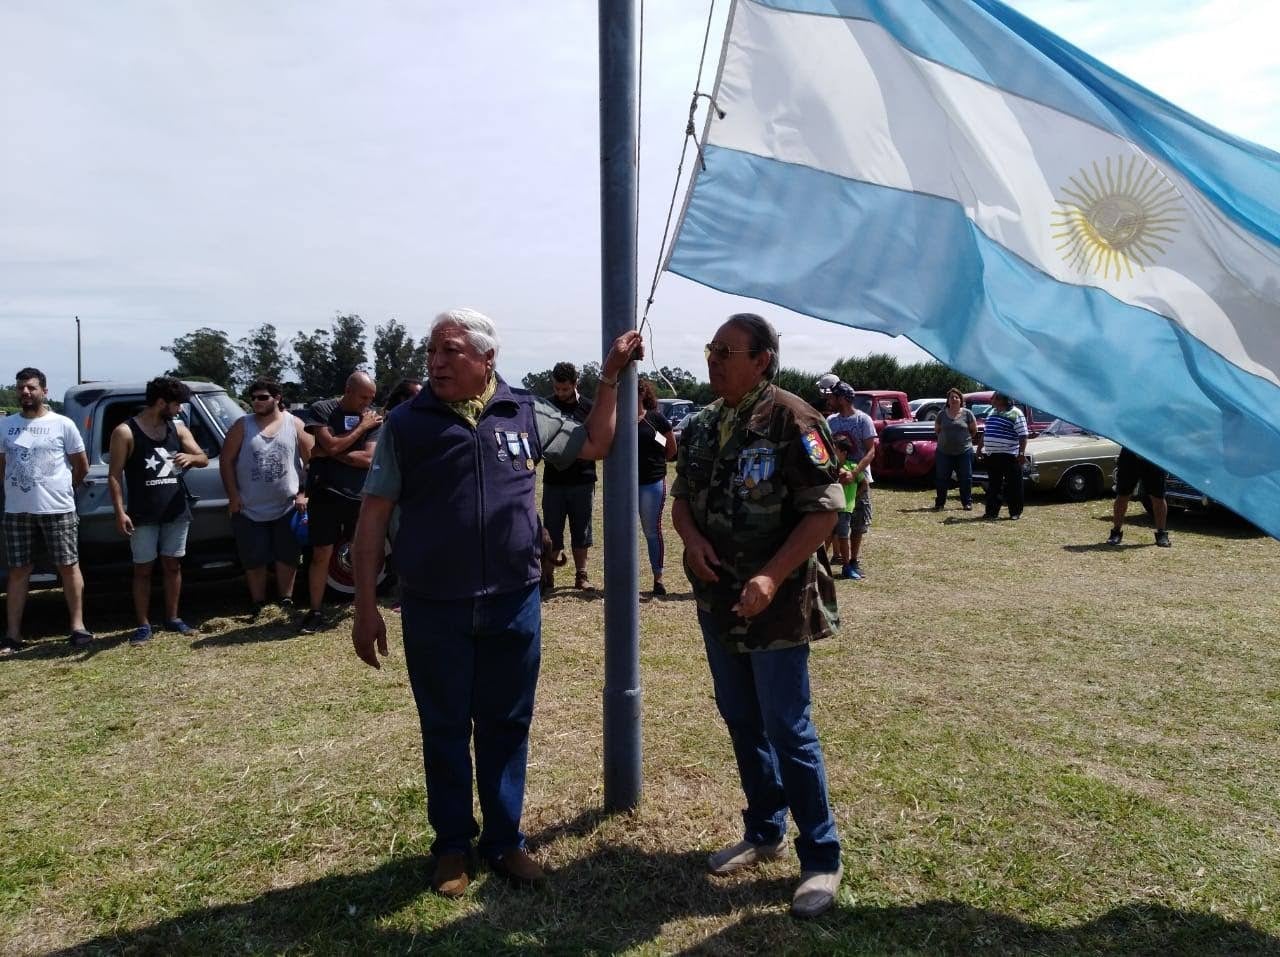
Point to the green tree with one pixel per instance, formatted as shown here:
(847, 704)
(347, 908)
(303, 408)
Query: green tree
(539, 383)
(396, 356)
(325, 358)
(204, 354)
(259, 356)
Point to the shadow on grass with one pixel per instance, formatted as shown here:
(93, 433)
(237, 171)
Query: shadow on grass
(1104, 547)
(622, 897)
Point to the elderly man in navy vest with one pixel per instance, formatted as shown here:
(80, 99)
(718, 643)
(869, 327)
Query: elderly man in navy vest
(459, 462)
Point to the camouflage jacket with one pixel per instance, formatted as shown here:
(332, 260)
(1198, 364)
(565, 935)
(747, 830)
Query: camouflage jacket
(746, 498)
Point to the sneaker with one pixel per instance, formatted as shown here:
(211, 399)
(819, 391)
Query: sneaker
(1116, 536)
(79, 638)
(968, 507)
(1162, 539)
(816, 892)
(659, 589)
(312, 622)
(938, 506)
(518, 868)
(581, 582)
(854, 571)
(450, 878)
(743, 854)
(286, 605)
(255, 611)
(1014, 518)
(10, 645)
(180, 626)
(141, 635)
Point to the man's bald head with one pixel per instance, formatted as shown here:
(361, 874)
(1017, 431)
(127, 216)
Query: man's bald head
(359, 393)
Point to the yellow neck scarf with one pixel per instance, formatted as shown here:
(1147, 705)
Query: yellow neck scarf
(729, 416)
(469, 409)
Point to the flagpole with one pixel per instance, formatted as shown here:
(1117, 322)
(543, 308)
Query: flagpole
(79, 372)
(622, 711)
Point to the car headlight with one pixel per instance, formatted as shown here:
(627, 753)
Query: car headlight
(909, 448)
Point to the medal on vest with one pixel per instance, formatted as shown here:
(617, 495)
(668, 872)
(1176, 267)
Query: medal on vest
(502, 453)
(513, 446)
(528, 452)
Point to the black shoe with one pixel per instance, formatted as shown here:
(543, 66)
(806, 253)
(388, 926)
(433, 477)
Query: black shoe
(255, 611)
(312, 622)
(78, 639)
(10, 645)
(938, 506)
(1014, 518)
(286, 605)
(1162, 539)
(1116, 536)
(659, 589)
(967, 508)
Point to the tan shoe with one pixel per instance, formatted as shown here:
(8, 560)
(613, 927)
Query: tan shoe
(450, 878)
(816, 892)
(743, 854)
(582, 582)
(519, 868)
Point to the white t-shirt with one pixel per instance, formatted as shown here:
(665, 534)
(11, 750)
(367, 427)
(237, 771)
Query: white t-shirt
(37, 477)
(858, 427)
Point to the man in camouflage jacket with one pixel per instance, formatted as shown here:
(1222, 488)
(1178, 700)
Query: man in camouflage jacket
(755, 495)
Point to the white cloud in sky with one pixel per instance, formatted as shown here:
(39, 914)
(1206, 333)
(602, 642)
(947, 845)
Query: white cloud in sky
(172, 165)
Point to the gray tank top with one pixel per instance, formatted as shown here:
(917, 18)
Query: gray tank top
(267, 470)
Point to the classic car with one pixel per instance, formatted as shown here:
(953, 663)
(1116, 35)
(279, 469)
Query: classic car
(980, 404)
(1066, 459)
(926, 410)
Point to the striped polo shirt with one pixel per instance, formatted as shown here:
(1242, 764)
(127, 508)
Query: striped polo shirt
(1002, 430)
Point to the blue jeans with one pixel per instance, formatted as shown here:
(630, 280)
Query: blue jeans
(652, 498)
(473, 666)
(763, 697)
(962, 464)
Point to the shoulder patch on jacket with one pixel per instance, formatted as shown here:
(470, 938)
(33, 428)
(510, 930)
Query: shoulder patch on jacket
(816, 447)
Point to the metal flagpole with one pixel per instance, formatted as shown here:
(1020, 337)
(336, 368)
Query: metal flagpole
(79, 372)
(622, 748)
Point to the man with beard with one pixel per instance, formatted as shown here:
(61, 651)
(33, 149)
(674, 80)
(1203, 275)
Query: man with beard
(43, 460)
(151, 451)
(263, 465)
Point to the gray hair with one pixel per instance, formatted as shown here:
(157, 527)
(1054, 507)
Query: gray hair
(764, 338)
(482, 334)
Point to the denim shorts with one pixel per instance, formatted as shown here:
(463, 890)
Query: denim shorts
(843, 524)
(168, 539)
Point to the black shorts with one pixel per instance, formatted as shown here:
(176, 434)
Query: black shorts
(261, 543)
(574, 503)
(1130, 467)
(331, 518)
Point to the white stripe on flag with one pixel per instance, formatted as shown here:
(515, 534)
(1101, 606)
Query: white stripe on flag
(843, 97)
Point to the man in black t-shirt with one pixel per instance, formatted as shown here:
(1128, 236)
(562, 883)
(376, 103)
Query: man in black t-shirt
(347, 435)
(568, 493)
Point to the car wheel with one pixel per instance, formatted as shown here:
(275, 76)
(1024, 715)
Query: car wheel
(931, 415)
(1079, 485)
(342, 579)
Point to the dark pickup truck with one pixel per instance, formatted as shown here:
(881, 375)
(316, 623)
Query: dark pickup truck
(97, 408)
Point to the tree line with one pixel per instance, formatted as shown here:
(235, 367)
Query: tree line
(875, 371)
(316, 365)
(310, 366)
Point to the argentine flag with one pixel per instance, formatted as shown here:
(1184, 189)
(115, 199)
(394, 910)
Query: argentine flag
(948, 171)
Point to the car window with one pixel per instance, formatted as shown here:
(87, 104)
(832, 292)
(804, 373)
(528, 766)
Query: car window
(115, 412)
(892, 408)
(224, 411)
(864, 403)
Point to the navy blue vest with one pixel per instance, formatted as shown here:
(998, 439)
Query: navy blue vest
(469, 523)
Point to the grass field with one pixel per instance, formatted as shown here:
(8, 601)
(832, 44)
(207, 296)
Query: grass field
(1036, 744)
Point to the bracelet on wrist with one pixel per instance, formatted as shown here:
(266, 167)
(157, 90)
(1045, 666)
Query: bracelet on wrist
(609, 382)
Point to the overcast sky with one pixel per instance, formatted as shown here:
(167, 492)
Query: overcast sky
(169, 165)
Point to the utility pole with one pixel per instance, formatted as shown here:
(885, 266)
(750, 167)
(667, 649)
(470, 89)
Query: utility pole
(79, 370)
(618, 122)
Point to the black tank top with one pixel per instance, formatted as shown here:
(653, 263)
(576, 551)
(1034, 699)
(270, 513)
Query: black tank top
(156, 495)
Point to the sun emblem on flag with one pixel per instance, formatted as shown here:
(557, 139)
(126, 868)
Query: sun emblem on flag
(1119, 216)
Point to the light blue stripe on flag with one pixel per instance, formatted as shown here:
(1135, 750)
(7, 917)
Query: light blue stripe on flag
(907, 264)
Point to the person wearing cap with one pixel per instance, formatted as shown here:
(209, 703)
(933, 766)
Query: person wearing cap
(458, 460)
(755, 496)
(861, 430)
(825, 384)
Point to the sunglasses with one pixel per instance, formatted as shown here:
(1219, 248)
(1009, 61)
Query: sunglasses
(262, 398)
(720, 351)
